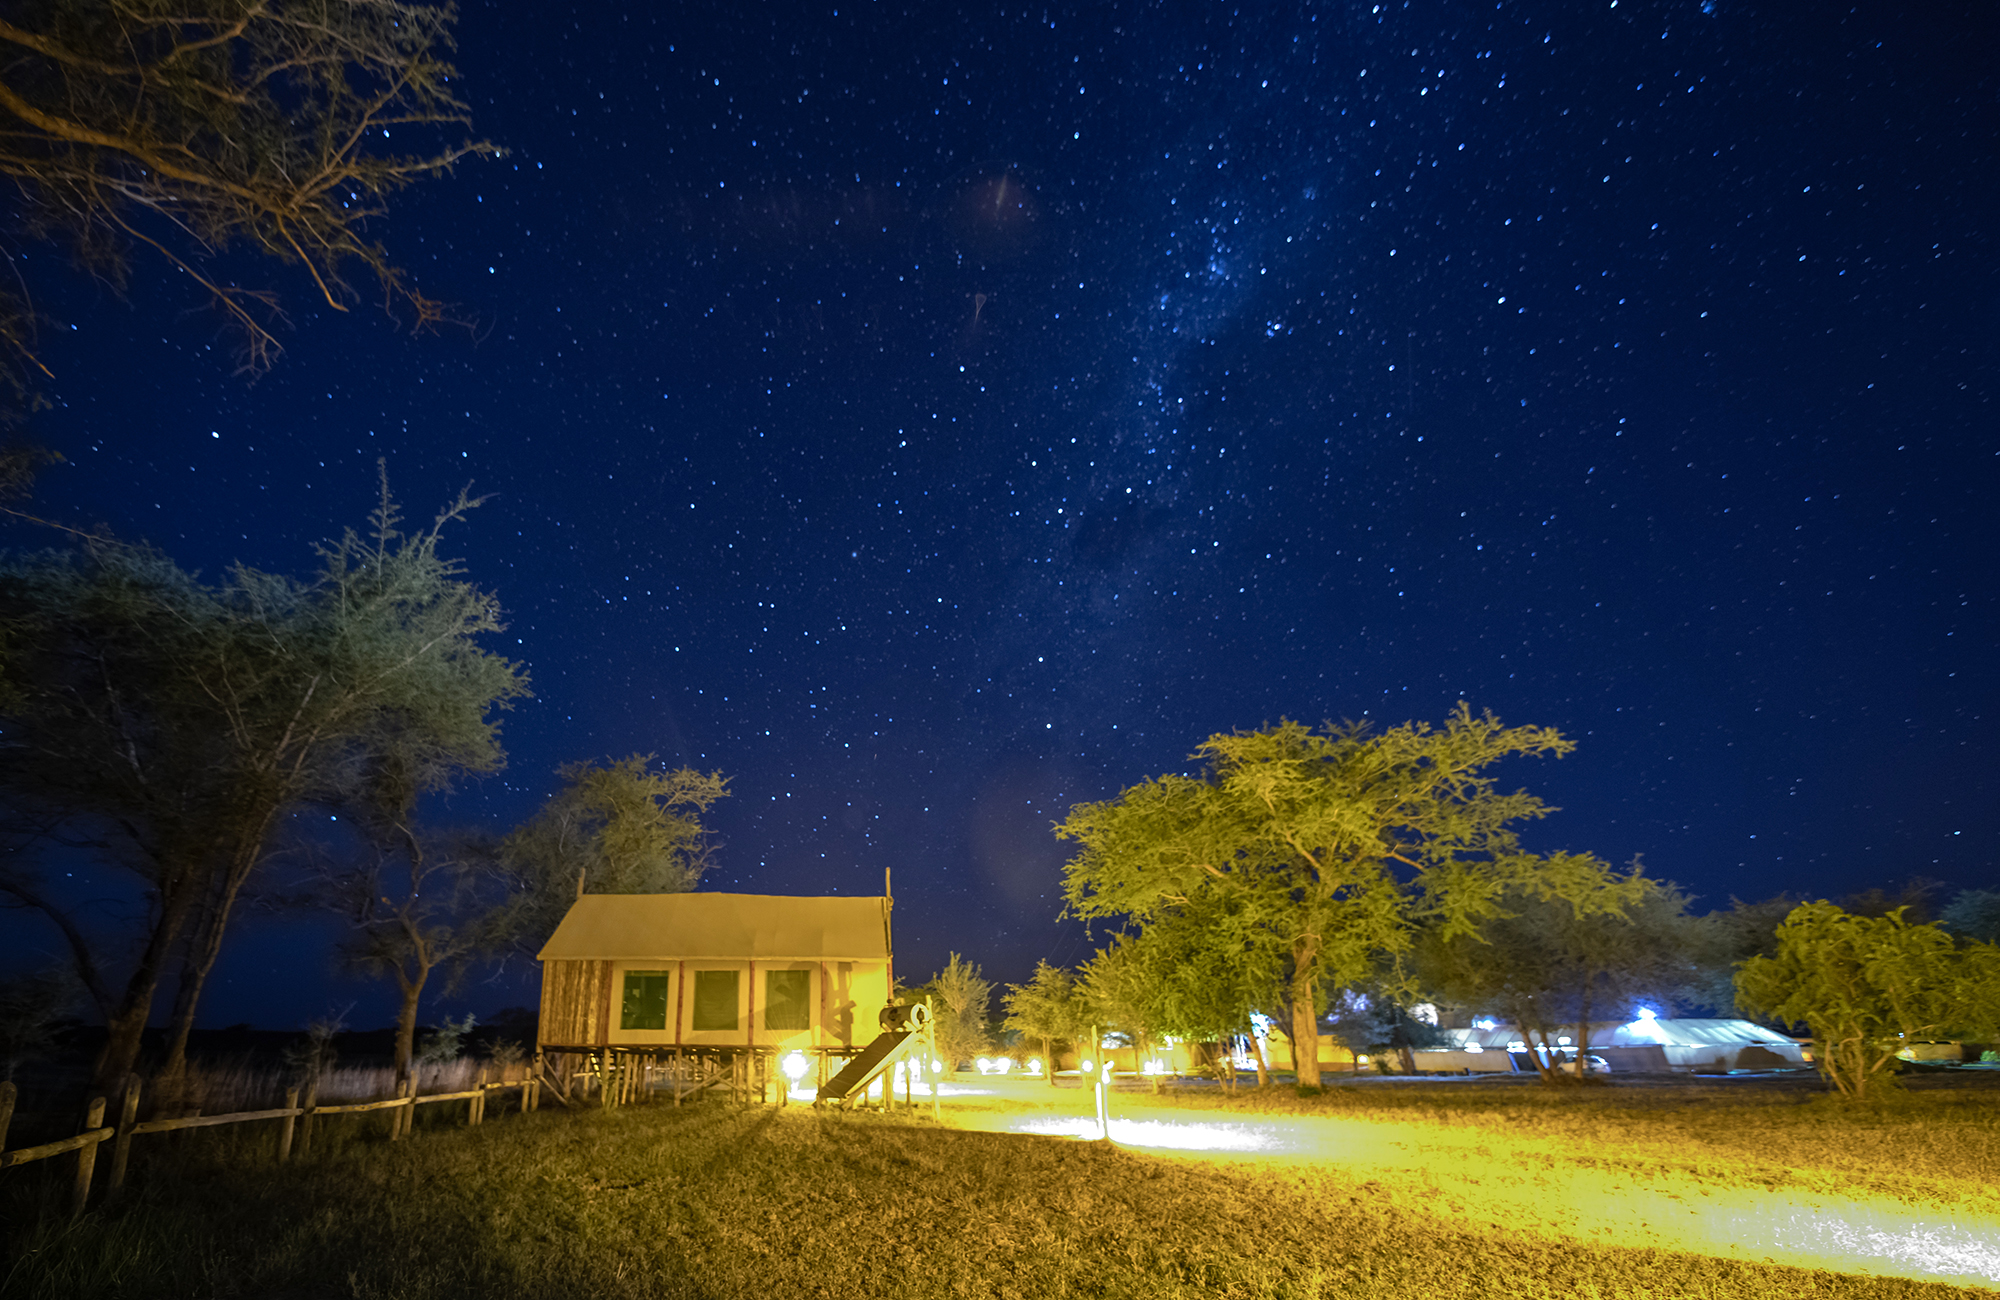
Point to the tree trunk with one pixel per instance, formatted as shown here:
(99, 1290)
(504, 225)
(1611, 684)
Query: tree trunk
(412, 988)
(1406, 1058)
(1263, 1062)
(1049, 1054)
(1583, 1031)
(204, 946)
(1305, 1026)
(125, 1025)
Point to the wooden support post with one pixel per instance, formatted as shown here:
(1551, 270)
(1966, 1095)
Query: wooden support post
(400, 1117)
(121, 1146)
(6, 1112)
(306, 1119)
(288, 1125)
(473, 1113)
(86, 1157)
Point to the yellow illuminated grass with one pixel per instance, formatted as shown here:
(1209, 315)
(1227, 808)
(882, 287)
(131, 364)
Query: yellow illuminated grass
(716, 1201)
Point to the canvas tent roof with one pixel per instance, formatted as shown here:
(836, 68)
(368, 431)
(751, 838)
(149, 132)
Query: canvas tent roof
(762, 927)
(1638, 1033)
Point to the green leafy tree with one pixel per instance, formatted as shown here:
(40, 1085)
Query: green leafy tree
(1371, 1021)
(1975, 914)
(618, 827)
(1045, 1010)
(165, 725)
(961, 1000)
(1724, 939)
(1577, 939)
(197, 128)
(1212, 968)
(1121, 996)
(1334, 842)
(1863, 985)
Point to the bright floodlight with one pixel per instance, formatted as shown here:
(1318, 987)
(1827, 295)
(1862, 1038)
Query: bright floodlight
(1035, 1066)
(1647, 1013)
(795, 1067)
(937, 1066)
(1085, 1066)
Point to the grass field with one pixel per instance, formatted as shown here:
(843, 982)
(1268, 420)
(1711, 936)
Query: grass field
(721, 1201)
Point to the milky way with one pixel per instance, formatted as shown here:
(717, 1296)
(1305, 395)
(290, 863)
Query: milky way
(935, 417)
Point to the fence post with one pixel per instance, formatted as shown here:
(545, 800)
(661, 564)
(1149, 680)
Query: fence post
(86, 1156)
(121, 1146)
(400, 1114)
(473, 1113)
(291, 1120)
(306, 1120)
(6, 1112)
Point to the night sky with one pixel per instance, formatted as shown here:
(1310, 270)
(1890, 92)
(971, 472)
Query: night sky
(934, 417)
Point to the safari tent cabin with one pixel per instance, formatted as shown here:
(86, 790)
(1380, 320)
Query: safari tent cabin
(715, 971)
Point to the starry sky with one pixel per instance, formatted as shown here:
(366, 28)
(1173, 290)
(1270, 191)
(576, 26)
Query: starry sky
(935, 416)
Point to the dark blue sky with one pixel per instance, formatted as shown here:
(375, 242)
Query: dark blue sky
(936, 416)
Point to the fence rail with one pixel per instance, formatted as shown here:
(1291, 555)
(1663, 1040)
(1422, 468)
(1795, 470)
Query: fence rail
(295, 1117)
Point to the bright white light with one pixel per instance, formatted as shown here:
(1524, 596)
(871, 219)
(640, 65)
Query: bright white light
(795, 1066)
(1085, 1066)
(1562, 1040)
(1154, 1066)
(1474, 1047)
(984, 1065)
(1426, 1012)
(1647, 1013)
(1003, 1065)
(1035, 1067)
(937, 1066)
(1486, 1022)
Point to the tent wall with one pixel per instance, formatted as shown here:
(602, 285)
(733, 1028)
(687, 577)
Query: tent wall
(619, 1003)
(576, 1003)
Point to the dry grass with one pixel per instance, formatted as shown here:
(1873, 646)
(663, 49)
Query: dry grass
(721, 1201)
(221, 1088)
(1936, 1144)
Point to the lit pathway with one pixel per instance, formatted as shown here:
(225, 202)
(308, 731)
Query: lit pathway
(1456, 1173)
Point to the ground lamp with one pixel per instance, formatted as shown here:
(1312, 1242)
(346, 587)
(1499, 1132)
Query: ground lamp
(794, 1067)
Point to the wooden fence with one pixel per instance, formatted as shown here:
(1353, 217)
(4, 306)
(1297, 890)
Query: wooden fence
(296, 1120)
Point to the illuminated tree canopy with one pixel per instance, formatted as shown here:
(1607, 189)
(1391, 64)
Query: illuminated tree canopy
(1334, 843)
(1864, 985)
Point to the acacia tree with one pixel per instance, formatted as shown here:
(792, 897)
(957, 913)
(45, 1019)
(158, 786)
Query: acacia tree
(416, 906)
(1211, 968)
(1863, 985)
(193, 127)
(1331, 842)
(961, 1000)
(1045, 1010)
(620, 827)
(1575, 938)
(166, 724)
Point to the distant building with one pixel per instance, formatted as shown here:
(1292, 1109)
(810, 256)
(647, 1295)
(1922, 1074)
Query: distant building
(761, 972)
